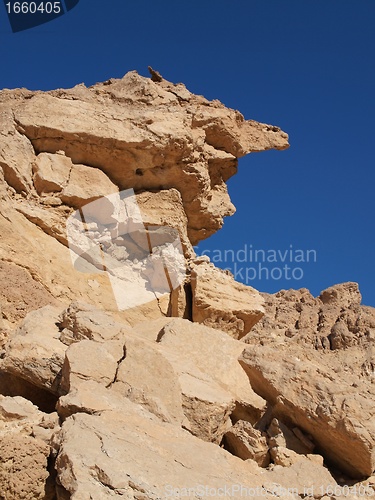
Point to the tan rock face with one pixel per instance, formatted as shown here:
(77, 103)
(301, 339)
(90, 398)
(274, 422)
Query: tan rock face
(216, 376)
(162, 365)
(129, 451)
(210, 385)
(35, 353)
(82, 321)
(143, 387)
(20, 292)
(166, 208)
(312, 360)
(86, 184)
(19, 415)
(331, 321)
(280, 436)
(51, 173)
(221, 302)
(16, 151)
(146, 377)
(26, 436)
(23, 467)
(158, 459)
(305, 477)
(141, 134)
(61, 150)
(248, 443)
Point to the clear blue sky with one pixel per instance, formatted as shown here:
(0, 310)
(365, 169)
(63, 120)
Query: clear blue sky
(307, 66)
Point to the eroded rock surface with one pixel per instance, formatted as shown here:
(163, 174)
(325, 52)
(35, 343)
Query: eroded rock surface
(312, 359)
(161, 365)
(142, 410)
(61, 150)
(26, 437)
(248, 443)
(221, 302)
(141, 134)
(23, 467)
(134, 451)
(207, 388)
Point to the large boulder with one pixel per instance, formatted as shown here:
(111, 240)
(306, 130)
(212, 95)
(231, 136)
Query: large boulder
(182, 372)
(64, 149)
(221, 302)
(311, 359)
(26, 443)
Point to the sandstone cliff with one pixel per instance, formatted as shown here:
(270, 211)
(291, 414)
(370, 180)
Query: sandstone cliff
(199, 386)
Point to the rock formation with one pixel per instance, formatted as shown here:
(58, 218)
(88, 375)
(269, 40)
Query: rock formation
(201, 387)
(327, 344)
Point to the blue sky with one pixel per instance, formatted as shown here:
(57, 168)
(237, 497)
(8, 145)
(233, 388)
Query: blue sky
(307, 66)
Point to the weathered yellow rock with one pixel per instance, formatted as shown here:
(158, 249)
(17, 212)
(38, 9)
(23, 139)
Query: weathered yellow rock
(144, 400)
(221, 302)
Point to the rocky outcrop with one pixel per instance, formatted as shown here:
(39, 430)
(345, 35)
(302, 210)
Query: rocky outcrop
(221, 302)
(133, 454)
(247, 443)
(128, 366)
(311, 359)
(26, 440)
(170, 385)
(63, 149)
(138, 407)
(141, 134)
(162, 367)
(332, 321)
